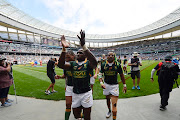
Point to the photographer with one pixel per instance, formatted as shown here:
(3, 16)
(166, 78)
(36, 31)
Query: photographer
(135, 62)
(5, 82)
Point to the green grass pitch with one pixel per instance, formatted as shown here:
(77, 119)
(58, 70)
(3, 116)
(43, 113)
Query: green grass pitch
(33, 81)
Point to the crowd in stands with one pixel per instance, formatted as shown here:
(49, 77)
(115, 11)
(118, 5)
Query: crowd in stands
(9, 47)
(148, 50)
(26, 59)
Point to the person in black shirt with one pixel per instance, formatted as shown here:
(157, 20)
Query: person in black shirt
(51, 74)
(166, 79)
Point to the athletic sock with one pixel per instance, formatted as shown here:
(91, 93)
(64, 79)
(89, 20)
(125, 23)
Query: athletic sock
(82, 115)
(67, 114)
(114, 117)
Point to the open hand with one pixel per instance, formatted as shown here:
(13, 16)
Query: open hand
(57, 76)
(82, 38)
(65, 44)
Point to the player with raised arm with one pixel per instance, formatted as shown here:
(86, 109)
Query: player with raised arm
(82, 94)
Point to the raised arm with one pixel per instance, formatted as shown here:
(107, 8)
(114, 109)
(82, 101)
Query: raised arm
(61, 62)
(88, 54)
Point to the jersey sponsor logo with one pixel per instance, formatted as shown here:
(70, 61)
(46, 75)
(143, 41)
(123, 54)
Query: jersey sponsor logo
(68, 73)
(85, 66)
(115, 67)
(79, 74)
(110, 72)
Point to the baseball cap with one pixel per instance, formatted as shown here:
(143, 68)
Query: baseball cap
(135, 54)
(168, 58)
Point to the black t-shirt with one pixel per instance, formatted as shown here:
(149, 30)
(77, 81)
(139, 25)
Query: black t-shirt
(51, 68)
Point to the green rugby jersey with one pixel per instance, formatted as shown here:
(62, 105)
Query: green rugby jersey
(103, 61)
(111, 72)
(125, 60)
(68, 74)
(119, 60)
(91, 73)
(81, 77)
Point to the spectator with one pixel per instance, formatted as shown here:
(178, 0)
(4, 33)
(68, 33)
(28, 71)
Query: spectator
(5, 82)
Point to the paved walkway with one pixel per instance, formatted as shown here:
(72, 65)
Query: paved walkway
(138, 108)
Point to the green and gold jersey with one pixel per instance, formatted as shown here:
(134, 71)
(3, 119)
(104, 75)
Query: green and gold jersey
(91, 73)
(103, 61)
(68, 75)
(125, 61)
(80, 77)
(110, 72)
(119, 60)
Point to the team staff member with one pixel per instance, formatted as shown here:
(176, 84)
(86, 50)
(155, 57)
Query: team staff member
(165, 79)
(52, 75)
(82, 94)
(110, 69)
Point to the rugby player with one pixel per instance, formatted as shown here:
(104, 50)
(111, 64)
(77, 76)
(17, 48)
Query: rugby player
(82, 94)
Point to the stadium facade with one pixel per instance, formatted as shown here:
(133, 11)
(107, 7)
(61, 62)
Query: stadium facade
(17, 27)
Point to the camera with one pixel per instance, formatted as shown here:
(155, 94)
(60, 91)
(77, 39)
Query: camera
(6, 64)
(55, 59)
(136, 61)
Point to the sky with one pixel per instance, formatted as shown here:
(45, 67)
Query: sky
(98, 16)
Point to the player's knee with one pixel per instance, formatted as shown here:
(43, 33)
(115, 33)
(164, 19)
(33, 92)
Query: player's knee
(115, 104)
(114, 107)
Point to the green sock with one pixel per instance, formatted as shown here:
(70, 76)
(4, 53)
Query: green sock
(67, 114)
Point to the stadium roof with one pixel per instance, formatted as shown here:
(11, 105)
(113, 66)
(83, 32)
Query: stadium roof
(11, 16)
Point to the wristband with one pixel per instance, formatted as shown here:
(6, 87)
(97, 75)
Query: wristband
(84, 47)
(124, 85)
(101, 83)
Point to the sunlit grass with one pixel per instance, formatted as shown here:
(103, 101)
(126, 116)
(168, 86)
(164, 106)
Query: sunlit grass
(33, 81)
